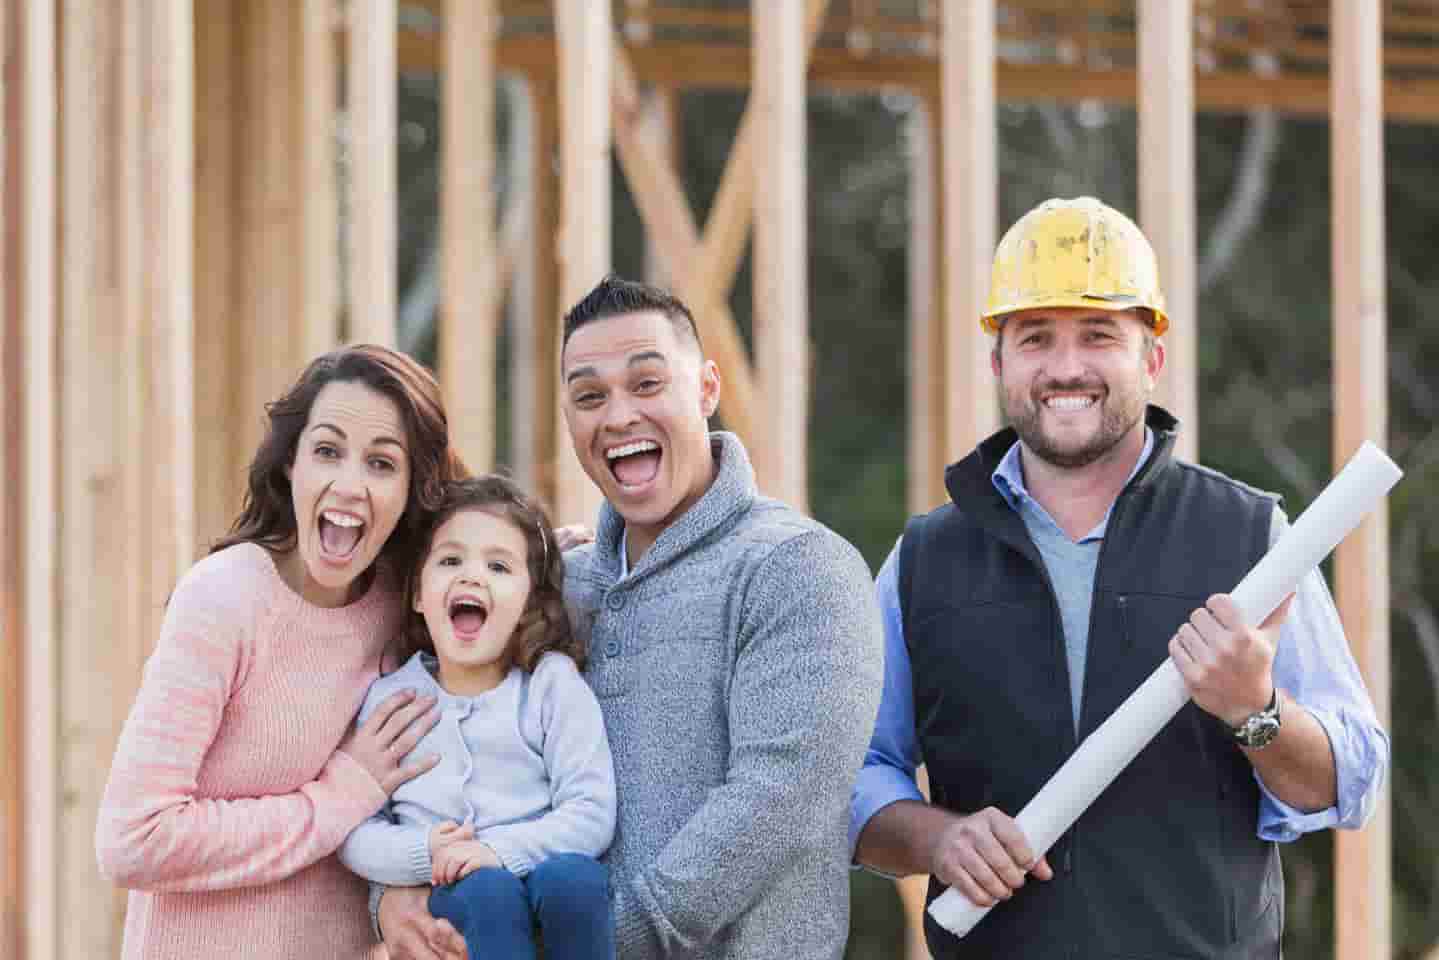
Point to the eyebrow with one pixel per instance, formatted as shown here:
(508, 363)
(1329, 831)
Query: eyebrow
(634, 360)
(381, 440)
(489, 548)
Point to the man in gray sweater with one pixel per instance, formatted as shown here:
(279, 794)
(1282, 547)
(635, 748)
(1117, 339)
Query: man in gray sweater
(736, 651)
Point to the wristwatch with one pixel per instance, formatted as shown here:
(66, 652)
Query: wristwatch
(1258, 729)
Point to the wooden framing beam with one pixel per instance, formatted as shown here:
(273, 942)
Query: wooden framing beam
(538, 432)
(970, 214)
(1362, 859)
(221, 446)
(781, 251)
(319, 228)
(371, 72)
(1167, 204)
(469, 253)
(585, 35)
(924, 365)
(726, 65)
(11, 489)
(36, 96)
(659, 124)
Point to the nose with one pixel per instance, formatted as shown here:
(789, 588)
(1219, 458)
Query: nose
(350, 480)
(1066, 360)
(620, 413)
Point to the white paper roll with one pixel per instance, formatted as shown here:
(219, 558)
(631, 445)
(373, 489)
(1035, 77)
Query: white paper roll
(1338, 509)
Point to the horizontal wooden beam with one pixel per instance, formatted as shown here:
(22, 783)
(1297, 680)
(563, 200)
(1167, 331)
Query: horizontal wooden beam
(698, 65)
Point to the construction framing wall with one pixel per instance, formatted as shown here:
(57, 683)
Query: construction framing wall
(171, 256)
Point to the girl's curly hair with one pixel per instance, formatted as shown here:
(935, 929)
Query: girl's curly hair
(543, 626)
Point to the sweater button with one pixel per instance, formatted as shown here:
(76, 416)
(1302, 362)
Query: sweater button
(612, 648)
(616, 601)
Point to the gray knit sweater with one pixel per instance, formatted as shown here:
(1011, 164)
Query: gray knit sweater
(738, 667)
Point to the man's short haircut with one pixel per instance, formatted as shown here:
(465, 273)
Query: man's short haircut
(615, 297)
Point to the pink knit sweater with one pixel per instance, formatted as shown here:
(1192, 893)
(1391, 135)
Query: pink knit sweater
(227, 798)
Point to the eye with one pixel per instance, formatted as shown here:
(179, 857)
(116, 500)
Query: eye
(326, 451)
(449, 560)
(383, 464)
(499, 566)
(588, 399)
(648, 385)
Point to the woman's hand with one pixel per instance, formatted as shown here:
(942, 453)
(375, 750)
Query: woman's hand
(458, 859)
(383, 741)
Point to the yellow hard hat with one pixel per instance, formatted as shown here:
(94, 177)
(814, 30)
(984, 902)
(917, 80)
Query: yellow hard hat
(1074, 253)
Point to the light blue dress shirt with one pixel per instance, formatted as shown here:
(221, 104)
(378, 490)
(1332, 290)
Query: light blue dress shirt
(1312, 663)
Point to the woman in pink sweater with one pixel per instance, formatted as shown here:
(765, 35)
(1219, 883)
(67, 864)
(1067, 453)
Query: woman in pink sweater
(239, 774)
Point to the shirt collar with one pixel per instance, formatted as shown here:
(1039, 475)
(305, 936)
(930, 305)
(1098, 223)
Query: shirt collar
(1008, 479)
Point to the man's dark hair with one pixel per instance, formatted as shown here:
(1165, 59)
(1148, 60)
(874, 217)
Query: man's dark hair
(615, 296)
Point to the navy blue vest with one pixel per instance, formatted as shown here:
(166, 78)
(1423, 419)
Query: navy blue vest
(1166, 862)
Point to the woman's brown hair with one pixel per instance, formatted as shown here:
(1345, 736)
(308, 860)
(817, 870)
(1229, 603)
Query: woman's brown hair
(543, 626)
(267, 516)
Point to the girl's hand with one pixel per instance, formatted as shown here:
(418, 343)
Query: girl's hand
(444, 834)
(383, 741)
(572, 536)
(458, 860)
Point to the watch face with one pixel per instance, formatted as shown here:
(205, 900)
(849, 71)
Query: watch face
(1257, 731)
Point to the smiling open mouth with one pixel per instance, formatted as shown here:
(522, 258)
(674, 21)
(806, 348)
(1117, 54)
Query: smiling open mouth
(468, 616)
(635, 464)
(340, 534)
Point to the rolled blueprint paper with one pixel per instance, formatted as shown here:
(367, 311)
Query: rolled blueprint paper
(1338, 509)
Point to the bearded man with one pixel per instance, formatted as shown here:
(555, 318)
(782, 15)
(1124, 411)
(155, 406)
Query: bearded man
(1019, 615)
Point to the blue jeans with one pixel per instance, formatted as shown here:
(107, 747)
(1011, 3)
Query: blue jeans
(568, 896)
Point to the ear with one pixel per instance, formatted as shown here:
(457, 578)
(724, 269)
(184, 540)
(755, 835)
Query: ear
(710, 385)
(415, 603)
(1154, 363)
(995, 364)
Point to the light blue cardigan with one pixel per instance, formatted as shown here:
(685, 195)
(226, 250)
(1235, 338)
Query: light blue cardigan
(526, 763)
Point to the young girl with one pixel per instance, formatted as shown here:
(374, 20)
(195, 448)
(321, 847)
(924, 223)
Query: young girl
(508, 825)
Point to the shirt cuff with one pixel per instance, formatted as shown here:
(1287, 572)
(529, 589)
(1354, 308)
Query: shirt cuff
(875, 788)
(377, 891)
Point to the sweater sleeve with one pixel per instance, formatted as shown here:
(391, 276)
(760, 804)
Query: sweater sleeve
(153, 832)
(802, 707)
(581, 771)
(389, 853)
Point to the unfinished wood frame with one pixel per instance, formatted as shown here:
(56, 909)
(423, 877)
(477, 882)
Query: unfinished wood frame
(585, 36)
(927, 403)
(1362, 867)
(32, 105)
(970, 185)
(372, 71)
(471, 298)
(1167, 198)
(781, 252)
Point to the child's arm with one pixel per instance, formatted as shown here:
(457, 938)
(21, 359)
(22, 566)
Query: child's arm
(394, 854)
(581, 772)
(153, 832)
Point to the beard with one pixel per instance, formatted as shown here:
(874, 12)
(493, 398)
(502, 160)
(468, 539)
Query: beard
(1119, 411)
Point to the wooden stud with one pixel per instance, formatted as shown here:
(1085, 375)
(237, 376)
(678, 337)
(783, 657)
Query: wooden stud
(38, 110)
(584, 33)
(224, 442)
(1362, 859)
(927, 406)
(660, 126)
(970, 189)
(548, 433)
(781, 251)
(318, 309)
(471, 299)
(1167, 198)
(11, 488)
(372, 72)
